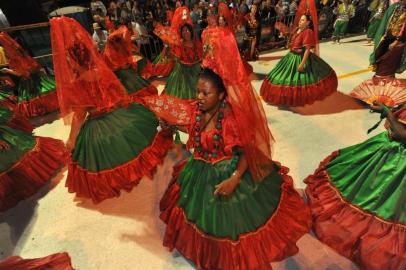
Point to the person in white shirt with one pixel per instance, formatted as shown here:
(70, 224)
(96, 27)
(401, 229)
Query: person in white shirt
(95, 5)
(99, 36)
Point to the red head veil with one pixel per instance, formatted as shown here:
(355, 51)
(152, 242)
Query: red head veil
(180, 18)
(117, 52)
(225, 12)
(222, 56)
(308, 7)
(19, 59)
(83, 79)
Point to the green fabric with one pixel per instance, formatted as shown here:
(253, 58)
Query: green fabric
(380, 34)
(285, 72)
(114, 138)
(38, 84)
(132, 81)
(141, 64)
(162, 58)
(20, 143)
(248, 208)
(373, 27)
(5, 115)
(372, 176)
(182, 82)
(340, 28)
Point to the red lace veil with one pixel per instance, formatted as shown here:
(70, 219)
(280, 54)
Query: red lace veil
(309, 7)
(19, 59)
(179, 19)
(118, 50)
(222, 56)
(84, 81)
(225, 12)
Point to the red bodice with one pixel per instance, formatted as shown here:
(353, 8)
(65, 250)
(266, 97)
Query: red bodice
(189, 54)
(302, 39)
(229, 134)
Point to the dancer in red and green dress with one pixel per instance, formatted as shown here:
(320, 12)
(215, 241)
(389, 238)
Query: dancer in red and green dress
(229, 205)
(301, 77)
(357, 197)
(33, 88)
(113, 143)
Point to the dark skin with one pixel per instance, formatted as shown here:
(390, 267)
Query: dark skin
(397, 130)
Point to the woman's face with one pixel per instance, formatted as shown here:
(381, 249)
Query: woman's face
(303, 23)
(222, 21)
(208, 96)
(186, 34)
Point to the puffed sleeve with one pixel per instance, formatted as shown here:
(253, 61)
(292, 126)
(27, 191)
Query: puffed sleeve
(308, 38)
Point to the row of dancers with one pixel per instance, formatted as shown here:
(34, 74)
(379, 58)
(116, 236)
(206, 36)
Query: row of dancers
(229, 205)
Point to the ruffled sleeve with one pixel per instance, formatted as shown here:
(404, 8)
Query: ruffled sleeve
(308, 38)
(231, 136)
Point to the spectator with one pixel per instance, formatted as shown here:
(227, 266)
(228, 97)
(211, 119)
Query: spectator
(344, 12)
(99, 36)
(136, 11)
(95, 5)
(293, 8)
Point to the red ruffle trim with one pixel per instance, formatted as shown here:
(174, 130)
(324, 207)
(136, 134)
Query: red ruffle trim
(298, 95)
(248, 68)
(148, 71)
(369, 241)
(162, 69)
(21, 123)
(58, 261)
(145, 92)
(274, 241)
(38, 106)
(107, 183)
(31, 172)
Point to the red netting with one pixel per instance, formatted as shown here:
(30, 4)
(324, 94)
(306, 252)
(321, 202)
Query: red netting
(84, 81)
(225, 12)
(308, 7)
(221, 53)
(180, 18)
(118, 50)
(19, 59)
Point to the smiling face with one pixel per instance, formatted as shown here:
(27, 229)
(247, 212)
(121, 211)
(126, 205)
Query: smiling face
(208, 96)
(222, 22)
(186, 33)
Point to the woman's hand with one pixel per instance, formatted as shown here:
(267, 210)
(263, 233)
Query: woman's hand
(394, 44)
(377, 106)
(300, 68)
(227, 187)
(4, 145)
(70, 145)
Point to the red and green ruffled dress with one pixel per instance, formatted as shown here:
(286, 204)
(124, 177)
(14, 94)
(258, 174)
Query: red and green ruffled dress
(257, 224)
(58, 261)
(29, 162)
(182, 81)
(285, 85)
(163, 63)
(357, 198)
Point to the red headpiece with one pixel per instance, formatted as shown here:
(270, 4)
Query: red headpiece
(225, 12)
(19, 60)
(221, 53)
(308, 7)
(180, 18)
(83, 79)
(117, 52)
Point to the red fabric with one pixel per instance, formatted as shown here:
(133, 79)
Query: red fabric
(225, 12)
(165, 64)
(369, 241)
(107, 184)
(20, 122)
(117, 52)
(308, 7)
(180, 18)
(274, 241)
(40, 105)
(174, 110)
(148, 70)
(169, 16)
(281, 27)
(212, 21)
(387, 90)
(167, 35)
(19, 60)
(303, 39)
(230, 137)
(84, 81)
(144, 92)
(109, 25)
(58, 261)
(223, 57)
(248, 68)
(31, 172)
(298, 95)
(188, 55)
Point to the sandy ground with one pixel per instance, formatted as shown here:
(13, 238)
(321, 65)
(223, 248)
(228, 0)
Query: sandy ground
(126, 233)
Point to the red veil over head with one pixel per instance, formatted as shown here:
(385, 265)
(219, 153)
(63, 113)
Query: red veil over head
(308, 7)
(179, 19)
(118, 50)
(222, 56)
(225, 12)
(84, 81)
(19, 59)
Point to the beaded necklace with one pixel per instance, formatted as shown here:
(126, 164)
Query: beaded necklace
(198, 129)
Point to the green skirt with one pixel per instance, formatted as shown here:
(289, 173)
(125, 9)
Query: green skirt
(259, 223)
(133, 82)
(114, 150)
(358, 202)
(182, 82)
(285, 85)
(373, 27)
